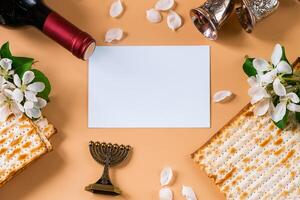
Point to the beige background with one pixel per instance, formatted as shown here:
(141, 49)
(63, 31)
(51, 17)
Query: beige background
(65, 172)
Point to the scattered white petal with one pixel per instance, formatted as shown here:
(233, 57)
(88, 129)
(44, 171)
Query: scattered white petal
(293, 107)
(173, 20)
(28, 77)
(222, 96)
(262, 107)
(113, 34)
(261, 65)
(277, 54)
(36, 87)
(278, 88)
(165, 194)
(279, 112)
(116, 9)
(293, 97)
(153, 16)
(164, 5)
(166, 176)
(188, 193)
(284, 67)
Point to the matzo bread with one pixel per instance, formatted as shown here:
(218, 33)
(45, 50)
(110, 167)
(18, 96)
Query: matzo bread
(250, 158)
(21, 142)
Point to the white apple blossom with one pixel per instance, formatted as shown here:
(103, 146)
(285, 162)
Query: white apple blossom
(267, 73)
(5, 68)
(8, 105)
(26, 87)
(287, 101)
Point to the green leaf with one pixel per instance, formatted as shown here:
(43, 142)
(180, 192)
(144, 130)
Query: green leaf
(22, 69)
(248, 67)
(40, 77)
(5, 51)
(283, 57)
(20, 61)
(282, 123)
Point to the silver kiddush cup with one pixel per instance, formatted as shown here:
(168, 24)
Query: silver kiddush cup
(209, 17)
(250, 12)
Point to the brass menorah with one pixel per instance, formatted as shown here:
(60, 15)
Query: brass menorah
(109, 155)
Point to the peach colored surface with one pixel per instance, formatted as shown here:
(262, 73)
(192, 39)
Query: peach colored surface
(65, 172)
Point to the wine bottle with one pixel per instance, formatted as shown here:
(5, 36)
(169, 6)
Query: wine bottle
(35, 13)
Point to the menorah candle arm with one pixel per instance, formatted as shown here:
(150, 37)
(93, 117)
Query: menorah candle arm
(105, 179)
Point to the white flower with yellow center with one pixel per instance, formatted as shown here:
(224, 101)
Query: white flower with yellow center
(26, 87)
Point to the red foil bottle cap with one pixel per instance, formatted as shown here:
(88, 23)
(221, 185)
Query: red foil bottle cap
(80, 43)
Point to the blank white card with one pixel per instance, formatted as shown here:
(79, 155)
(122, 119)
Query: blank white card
(149, 87)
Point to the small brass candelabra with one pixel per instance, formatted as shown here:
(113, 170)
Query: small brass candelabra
(108, 155)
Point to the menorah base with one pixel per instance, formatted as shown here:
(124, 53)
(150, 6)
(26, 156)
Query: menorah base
(103, 189)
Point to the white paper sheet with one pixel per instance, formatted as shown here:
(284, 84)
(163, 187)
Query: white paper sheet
(149, 87)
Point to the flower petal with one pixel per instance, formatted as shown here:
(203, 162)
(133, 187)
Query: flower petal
(222, 96)
(113, 34)
(293, 107)
(36, 87)
(284, 67)
(262, 107)
(34, 113)
(28, 77)
(252, 81)
(261, 65)
(165, 194)
(41, 103)
(17, 109)
(268, 77)
(2, 81)
(17, 80)
(116, 9)
(6, 63)
(174, 20)
(18, 95)
(31, 96)
(163, 5)
(28, 105)
(293, 97)
(257, 93)
(276, 55)
(4, 112)
(153, 16)
(278, 88)
(188, 193)
(279, 112)
(166, 176)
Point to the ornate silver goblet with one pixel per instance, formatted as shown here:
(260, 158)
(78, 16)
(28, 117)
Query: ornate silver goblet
(250, 12)
(210, 17)
(109, 155)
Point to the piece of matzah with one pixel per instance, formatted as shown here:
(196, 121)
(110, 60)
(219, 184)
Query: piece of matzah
(250, 158)
(21, 142)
